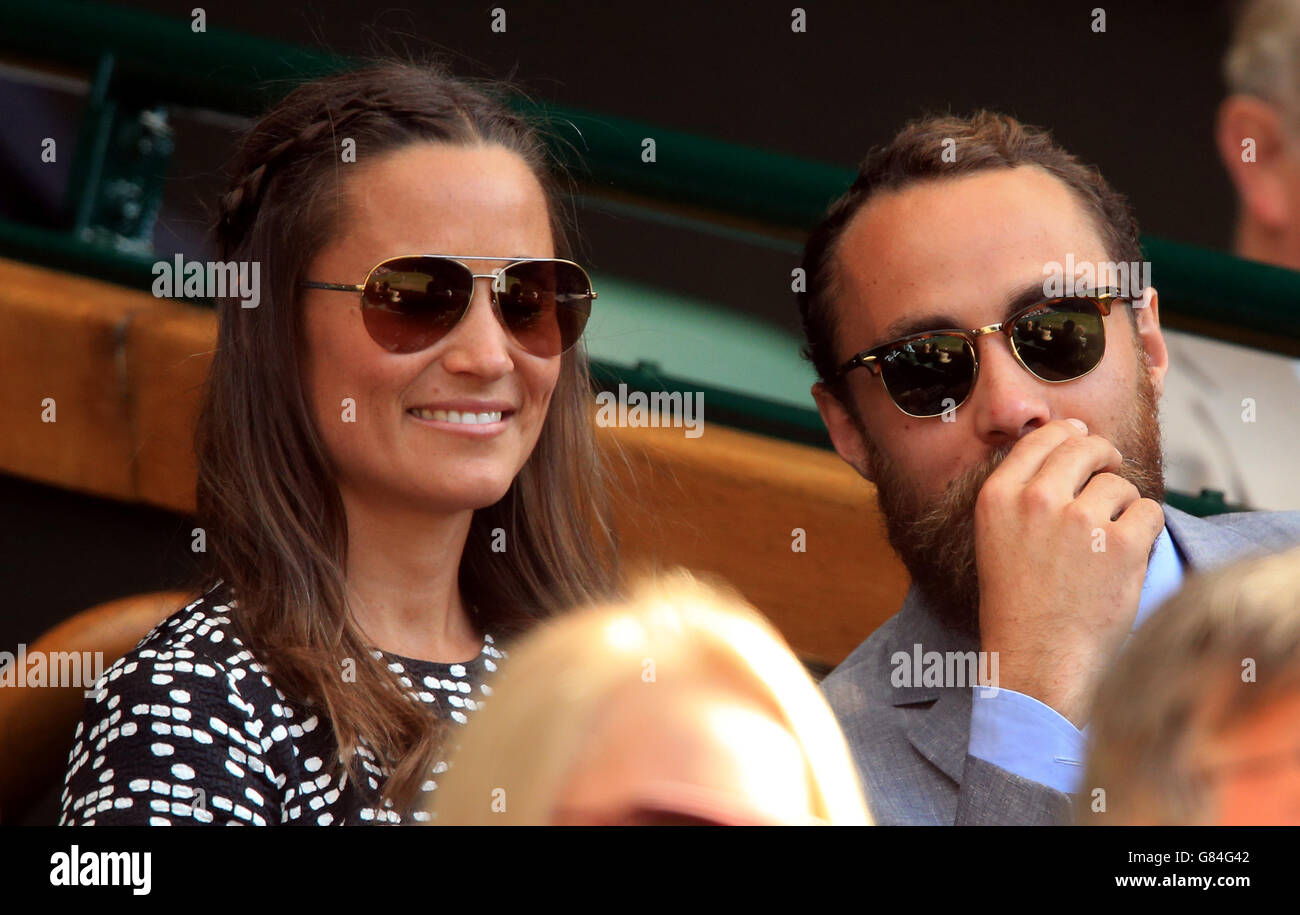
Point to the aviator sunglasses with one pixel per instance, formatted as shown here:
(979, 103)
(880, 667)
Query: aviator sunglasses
(1055, 340)
(409, 303)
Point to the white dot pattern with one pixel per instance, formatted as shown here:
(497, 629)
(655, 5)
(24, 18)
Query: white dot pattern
(189, 728)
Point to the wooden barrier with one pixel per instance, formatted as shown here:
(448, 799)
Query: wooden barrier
(125, 369)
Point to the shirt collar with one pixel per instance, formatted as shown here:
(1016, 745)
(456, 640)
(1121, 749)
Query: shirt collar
(1164, 576)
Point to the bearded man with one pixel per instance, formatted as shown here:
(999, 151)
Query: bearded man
(1013, 436)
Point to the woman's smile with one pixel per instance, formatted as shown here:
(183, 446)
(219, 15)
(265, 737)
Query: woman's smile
(475, 420)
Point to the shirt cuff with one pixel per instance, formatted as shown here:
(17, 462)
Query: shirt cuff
(1018, 733)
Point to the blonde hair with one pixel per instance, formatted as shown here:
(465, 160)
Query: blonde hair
(1182, 678)
(560, 678)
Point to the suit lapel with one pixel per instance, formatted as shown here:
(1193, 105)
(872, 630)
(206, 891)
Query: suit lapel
(938, 720)
(942, 733)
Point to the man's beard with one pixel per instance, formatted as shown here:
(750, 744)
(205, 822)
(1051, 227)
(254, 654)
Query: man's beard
(935, 538)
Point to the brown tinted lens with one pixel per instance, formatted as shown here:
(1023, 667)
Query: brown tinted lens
(929, 376)
(411, 303)
(1061, 340)
(545, 305)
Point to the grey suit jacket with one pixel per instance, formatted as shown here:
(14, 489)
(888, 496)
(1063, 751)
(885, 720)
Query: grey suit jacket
(910, 743)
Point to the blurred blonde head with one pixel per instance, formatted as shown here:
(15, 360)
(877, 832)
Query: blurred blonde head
(1207, 686)
(589, 689)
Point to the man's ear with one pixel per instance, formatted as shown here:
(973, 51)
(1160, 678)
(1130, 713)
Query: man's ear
(846, 436)
(1146, 315)
(1252, 147)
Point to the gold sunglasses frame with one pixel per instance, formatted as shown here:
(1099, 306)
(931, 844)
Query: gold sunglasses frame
(460, 260)
(870, 359)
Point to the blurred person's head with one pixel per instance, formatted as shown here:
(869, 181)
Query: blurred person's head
(680, 705)
(1258, 130)
(1199, 722)
(951, 225)
(311, 420)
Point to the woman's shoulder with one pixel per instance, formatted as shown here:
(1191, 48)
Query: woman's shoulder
(188, 710)
(194, 649)
(209, 612)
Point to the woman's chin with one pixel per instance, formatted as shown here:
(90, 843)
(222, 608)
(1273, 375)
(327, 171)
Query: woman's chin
(471, 496)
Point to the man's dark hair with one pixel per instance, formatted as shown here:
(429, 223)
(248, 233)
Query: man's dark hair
(986, 140)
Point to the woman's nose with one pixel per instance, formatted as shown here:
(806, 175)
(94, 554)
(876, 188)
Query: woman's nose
(479, 344)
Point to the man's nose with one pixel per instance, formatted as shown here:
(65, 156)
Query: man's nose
(1008, 401)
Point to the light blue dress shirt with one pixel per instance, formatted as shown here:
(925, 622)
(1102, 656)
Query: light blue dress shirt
(1022, 735)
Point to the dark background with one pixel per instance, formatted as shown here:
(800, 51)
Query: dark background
(1138, 100)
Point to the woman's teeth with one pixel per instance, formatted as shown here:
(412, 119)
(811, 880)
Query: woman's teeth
(456, 416)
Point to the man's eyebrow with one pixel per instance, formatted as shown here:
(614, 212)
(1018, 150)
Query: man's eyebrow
(919, 324)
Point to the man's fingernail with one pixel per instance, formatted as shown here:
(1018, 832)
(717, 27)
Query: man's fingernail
(1082, 426)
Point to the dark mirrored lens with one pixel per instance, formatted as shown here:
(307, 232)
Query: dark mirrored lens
(928, 376)
(545, 305)
(411, 303)
(1061, 340)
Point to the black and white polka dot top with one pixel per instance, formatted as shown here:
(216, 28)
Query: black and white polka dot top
(189, 728)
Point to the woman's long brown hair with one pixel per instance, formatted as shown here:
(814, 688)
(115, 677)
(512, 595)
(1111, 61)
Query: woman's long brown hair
(277, 531)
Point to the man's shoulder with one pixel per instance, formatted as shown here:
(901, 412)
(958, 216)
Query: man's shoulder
(860, 671)
(1277, 528)
(864, 691)
(1216, 539)
(904, 785)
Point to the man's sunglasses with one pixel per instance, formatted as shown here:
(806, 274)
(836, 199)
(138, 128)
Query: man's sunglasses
(409, 303)
(928, 374)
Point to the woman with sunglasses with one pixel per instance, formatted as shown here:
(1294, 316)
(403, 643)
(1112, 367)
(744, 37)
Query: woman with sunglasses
(397, 469)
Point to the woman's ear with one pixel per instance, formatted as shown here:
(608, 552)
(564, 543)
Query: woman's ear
(1252, 146)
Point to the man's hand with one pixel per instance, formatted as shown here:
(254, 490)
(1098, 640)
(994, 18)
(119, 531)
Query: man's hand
(1061, 544)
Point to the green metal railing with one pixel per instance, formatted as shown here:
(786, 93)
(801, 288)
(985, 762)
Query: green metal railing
(707, 184)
